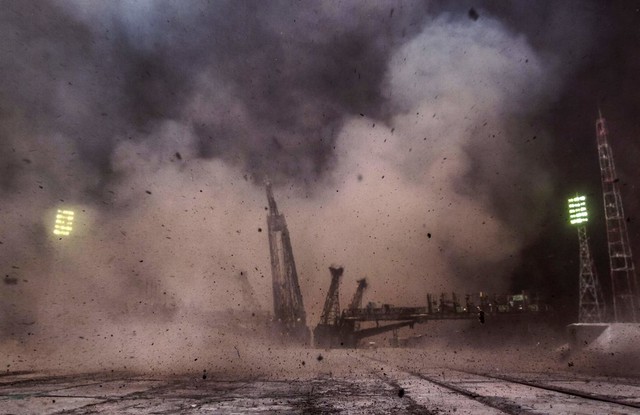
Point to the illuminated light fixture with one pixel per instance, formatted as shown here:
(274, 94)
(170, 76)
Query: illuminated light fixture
(578, 210)
(64, 222)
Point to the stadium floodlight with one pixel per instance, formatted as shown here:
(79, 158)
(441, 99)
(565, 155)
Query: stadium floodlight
(64, 222)
(578, 213)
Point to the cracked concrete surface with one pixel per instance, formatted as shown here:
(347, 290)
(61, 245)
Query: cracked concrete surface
(343, 381)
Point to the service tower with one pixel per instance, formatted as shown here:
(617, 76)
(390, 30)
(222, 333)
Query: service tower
(288, 309)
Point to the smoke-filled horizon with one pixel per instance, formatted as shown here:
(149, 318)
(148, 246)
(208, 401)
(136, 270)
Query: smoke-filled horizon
(428, 146)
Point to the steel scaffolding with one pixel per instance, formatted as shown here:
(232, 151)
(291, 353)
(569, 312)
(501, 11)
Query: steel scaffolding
(623, 276)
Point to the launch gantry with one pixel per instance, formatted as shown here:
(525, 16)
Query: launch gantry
(288, 308)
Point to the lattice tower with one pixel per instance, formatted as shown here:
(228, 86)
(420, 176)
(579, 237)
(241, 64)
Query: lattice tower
(356, 301)
(288, 308)
(623, 277)
(591, 306)
(331, 310)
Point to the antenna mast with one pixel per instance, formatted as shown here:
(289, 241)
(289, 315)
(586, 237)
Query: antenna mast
(623, 276)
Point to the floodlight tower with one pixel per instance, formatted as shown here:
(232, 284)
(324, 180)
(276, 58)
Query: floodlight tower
(590, 308)
(623, 276)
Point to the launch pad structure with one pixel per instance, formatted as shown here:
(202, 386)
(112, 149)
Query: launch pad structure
(288, 308)
(345, 328)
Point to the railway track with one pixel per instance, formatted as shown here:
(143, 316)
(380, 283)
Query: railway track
(567, 391)
(440, 390)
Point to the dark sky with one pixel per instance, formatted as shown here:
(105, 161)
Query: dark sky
(268, 89)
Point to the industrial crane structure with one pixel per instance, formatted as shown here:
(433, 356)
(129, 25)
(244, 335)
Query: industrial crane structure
(331, 309)
(344, 329)
(339, 330)
(288, 309)
(334, 330)
(356, 301)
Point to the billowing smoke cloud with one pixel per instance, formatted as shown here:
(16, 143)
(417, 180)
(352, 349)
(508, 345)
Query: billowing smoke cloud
(404, 140)
(411, 203)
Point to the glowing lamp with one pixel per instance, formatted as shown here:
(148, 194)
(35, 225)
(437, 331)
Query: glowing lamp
(578, 210)
(64, 222)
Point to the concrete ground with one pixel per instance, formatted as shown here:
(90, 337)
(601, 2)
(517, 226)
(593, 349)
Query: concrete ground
(302, 381)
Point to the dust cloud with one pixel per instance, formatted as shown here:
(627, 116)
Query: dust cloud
(392, 153)
(410, 204)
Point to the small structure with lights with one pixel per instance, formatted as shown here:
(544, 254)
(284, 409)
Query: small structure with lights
(591, 304)
(64, 222)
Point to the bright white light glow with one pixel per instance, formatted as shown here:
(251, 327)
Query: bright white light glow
(64, 223)
(578, 210)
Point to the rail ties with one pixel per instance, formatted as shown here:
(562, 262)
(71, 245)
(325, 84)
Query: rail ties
(515, 400)
(437, 389)
(559, 389)
(502, 404)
